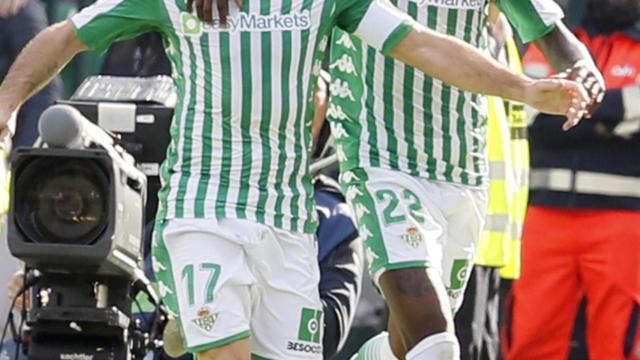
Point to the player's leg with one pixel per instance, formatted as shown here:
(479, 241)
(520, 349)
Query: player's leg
(204, 280)
(613, 308)
(287, 321)
(545, 299)
(402, 230)
(418, 300)
(463, 209)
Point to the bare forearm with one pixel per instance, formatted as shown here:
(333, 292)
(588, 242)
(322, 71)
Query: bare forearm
(37, 64)
(562, 49)
(460, 65)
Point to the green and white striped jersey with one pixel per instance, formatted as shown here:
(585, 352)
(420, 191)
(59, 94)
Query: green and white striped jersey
(389, 115)
(241, 132)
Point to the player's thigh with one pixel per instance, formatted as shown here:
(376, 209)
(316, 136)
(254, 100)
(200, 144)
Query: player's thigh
(397, 219)
(287, 321)
(465, 210)
(204, 279)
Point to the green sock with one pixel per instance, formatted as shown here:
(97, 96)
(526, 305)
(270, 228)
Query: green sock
(376, 348)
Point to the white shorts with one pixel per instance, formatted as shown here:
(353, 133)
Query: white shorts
(232, 279)
(407, 221)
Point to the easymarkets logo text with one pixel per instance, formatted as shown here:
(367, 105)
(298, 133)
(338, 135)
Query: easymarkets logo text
(192, 26)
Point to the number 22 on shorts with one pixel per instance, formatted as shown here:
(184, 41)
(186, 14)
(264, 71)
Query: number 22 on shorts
(392, 198)
(212, 271)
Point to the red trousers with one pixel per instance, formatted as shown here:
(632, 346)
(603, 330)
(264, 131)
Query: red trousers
(567, 255)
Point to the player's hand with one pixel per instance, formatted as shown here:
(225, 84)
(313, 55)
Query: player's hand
(559, 97)
(11, 7)
(589, 76)
(7, 124)
(204, 9)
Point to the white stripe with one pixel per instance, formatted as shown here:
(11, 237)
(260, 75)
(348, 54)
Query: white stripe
(378, 108)
(364, 149)
(549, 11)
(316, 13)
(398, 106)
(257, 157)
(197, 132)
(457, 117)
(419, 101)
(380, 20)
(89, 13)
(235, 173)
(277, 51)
(296, 49)
(216, 129)
(186, 71)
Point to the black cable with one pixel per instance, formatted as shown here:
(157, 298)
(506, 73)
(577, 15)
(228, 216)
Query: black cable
(30, 279)
(23, 316)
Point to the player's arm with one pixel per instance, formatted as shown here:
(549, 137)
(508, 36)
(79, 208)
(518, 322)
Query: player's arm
(463, 66)
(96, 27)
(564, 51)
(540, 21)
(36, 65)
(457, 63)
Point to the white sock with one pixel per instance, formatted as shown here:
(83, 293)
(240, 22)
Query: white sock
(441, 346)
(376, 348)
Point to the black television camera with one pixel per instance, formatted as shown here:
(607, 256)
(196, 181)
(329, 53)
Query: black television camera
(77, 215)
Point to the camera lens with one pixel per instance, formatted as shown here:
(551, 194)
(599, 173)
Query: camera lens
(67, 201)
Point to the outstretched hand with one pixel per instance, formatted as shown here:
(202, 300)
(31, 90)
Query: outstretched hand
(591, 79)
(559, 97)
(204, 9)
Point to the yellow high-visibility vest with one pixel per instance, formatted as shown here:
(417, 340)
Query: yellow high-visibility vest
(508, 152)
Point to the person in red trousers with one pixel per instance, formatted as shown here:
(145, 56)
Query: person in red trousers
(582, 232)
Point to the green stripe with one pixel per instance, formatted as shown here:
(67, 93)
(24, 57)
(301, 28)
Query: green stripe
(452, 21)
(408, 90)
(245, 122)
(462, 135)
(387, 103)
(374, 151)
(207, 126)
(225, 61)
(302, 99)
(172, 150)
(388, 107)
(476, 146)
(374, 243)
(427, 89)
(185, 170)
(161, 256)
(284, 105)
(265, 124)
(310, 224)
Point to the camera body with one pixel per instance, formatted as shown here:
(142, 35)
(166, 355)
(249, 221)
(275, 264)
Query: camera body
(75, 207)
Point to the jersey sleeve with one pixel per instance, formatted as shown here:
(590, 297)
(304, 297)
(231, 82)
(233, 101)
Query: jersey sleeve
(532, 19)
(376, 22)
(108, 21)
